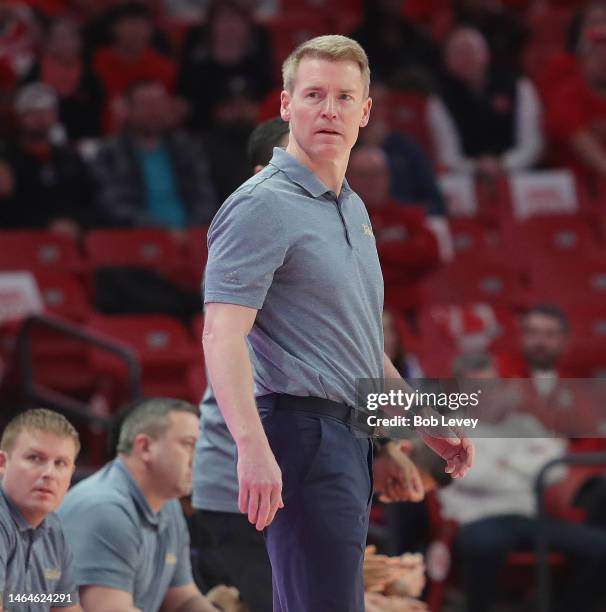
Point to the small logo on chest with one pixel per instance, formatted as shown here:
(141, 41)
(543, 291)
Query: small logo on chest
(170, 559)
(367, 230)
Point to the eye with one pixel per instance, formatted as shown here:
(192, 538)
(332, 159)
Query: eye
(34, 457)
(312, 94)
(346, 97)
(61, 463)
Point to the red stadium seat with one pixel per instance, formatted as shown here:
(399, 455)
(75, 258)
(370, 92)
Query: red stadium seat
(163, 346)
(146, 248)
(486, 278)
(63, 294)
(24, 250)
(563, 281)
(469, 236)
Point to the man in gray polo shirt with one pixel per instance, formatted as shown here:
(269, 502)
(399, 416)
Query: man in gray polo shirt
(293, 265)
(37, 454)
(125, 523)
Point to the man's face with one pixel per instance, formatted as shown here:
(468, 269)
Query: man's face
(149, 109)
(37, 472)
(171, 455)
(133, 33)
(368, 175)
(37, 123)
(543, 341)
(326, 108)
(467, 55)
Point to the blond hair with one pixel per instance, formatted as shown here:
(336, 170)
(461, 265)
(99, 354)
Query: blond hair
(39, 419)
(334, 48)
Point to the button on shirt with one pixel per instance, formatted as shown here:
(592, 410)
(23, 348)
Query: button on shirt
(33, 560)
(306, 259)
(120, 543)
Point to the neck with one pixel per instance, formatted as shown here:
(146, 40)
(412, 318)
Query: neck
(35, 142)
(330, 171)
(128, 54)
(149, 142)
(33, 520)
(145, 482)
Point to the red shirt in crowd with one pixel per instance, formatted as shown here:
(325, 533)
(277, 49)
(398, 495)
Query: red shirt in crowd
(573, 107)
(408, 251)
(116, 75)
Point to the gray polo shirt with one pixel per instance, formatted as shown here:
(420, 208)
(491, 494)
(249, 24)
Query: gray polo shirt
(118, 542)
(286, 245)
(34, 561)
(215, 482)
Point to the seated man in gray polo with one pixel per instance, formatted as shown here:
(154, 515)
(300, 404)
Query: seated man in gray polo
(37, 454)
(125, 523)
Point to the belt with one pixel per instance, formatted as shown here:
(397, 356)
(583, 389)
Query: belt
(318, 405)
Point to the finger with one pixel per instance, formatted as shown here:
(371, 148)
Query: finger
(264, 509)
(275, 501)
(253, 505)
(243, 498)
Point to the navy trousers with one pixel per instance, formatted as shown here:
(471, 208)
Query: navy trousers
(316, 542)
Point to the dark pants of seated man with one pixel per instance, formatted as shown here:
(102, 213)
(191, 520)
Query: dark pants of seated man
(483, 547)
(229, 550)
(316, 542)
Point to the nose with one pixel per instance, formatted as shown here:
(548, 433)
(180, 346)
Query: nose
(329, 108)
(49, 470)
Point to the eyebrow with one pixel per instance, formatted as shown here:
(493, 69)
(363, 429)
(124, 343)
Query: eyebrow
(39, 451)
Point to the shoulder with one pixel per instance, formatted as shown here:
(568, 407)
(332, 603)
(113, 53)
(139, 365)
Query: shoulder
(254, 200)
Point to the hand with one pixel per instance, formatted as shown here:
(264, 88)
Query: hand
(456, 450)
(260, 481)
(379, 570)
(227, 598)
(396, 476)
(7, 180)
(375, 602)
(67, 227)
(488, 167)
(412, 580)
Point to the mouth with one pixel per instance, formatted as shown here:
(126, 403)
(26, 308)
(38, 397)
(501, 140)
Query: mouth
(43, 491)
(329, 132)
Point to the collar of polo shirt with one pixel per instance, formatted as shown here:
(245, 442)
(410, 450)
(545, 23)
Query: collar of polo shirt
(301, 175)
(19, 519)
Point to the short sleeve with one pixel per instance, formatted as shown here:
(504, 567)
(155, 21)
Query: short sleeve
(67, 583)
(183, 574)
(105, 546)
(246, 245)
(5, 545)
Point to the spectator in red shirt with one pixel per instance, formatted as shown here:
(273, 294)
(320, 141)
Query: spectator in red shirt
(130, 59)
(407, 248)
(62, 67)
(19, 34)
(576, 119)
(564, 64)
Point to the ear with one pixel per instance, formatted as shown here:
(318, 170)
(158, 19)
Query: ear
(3, 461)
(366, 112)
(141, 446)
(285, 105)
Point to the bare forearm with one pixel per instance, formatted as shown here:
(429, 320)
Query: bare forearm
(230, 371)
(590, 151)
(198, 603)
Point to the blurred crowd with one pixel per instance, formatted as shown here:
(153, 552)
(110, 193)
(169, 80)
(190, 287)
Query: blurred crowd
(137, 114)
